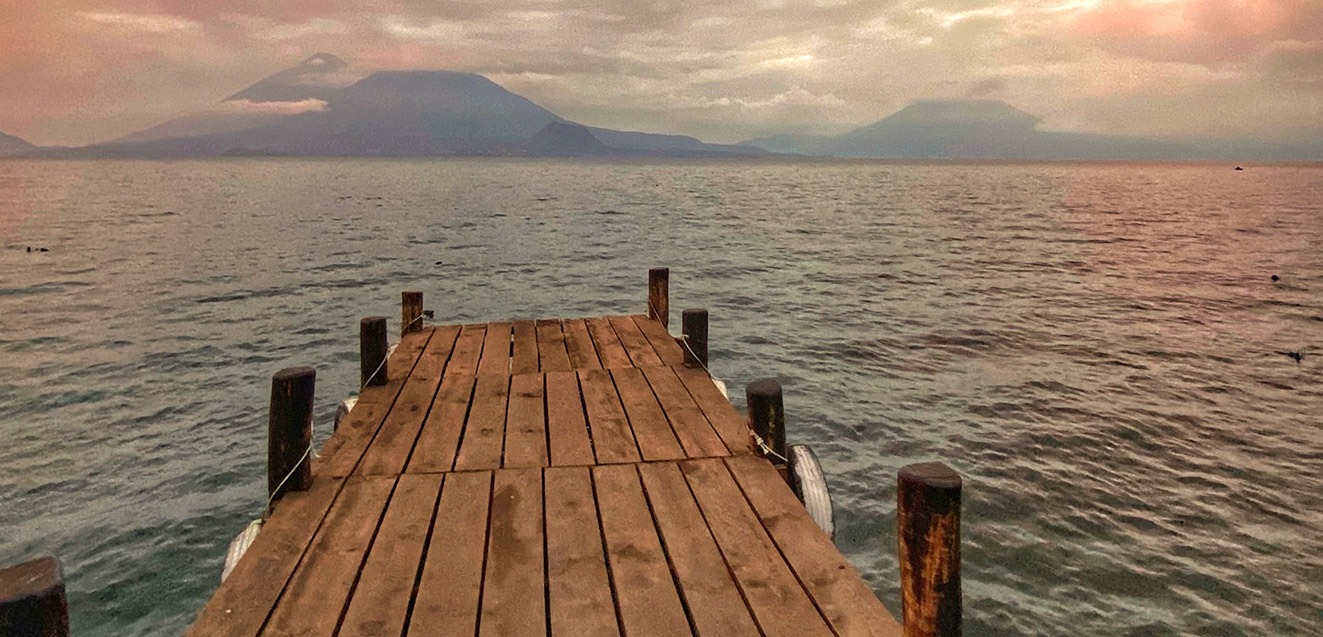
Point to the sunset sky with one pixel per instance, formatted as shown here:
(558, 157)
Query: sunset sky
(80, 71)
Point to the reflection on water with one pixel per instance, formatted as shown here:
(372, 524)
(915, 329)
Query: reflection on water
(1097, 348)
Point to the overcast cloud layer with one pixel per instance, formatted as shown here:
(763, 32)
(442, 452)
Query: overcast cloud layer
(79, 71)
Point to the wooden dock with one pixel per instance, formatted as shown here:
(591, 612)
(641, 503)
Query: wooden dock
(551, 477)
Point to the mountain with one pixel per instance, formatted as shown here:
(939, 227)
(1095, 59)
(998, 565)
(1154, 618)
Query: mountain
(10, 145)
(305, 111)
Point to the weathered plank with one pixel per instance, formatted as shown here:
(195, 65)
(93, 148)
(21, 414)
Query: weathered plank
(579, 344)
(243, 603)
(662, 341)
(496, 349)
(609, 349)
(732, 428)
(842, 596)
(651, 429)
(525, 423)
(484, 435)
(513, 596)
(468, 350)
(552, 355)
(320, 587)
(439, 440)
(380, 602)
(566, 427)
(640, 350)
(524, 359)
(449, 592)
(709, 589)
(577, 583)
(645, 592)
(779, 603)
(390, 449)
(612, 439)
(688, 422)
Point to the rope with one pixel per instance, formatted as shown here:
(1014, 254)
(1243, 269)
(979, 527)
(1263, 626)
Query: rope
(767, 451)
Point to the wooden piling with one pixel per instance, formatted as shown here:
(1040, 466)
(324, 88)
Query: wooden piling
(411, 312)
(372, 348)
(693, 325)
(767, 416)
(928, 527)
(659, 291)
(289, 431)
(32, 600)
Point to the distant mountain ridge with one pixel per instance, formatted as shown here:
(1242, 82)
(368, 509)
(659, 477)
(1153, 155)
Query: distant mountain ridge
(10, 145)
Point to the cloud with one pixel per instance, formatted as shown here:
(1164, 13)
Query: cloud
(247, 107)
(143, 22)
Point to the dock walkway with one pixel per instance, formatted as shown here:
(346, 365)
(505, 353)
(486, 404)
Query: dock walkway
(563, 477)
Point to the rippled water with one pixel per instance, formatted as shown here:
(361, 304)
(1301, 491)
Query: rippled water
(1095, 347)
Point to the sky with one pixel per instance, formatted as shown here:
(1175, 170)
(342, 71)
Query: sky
(80, 71)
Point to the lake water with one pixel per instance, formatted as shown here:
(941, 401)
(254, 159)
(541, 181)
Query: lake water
(1097, 348)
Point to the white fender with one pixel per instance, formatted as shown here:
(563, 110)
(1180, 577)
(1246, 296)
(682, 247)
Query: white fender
(810, 485)
(239, 545)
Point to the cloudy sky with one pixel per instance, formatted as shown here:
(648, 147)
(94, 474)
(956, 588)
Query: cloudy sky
(79, 71)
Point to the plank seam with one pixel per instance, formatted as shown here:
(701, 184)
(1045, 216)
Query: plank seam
(606, 555)
(422, 557)
(431, 404)
(358, 573)
(394, 399)
(666, 551)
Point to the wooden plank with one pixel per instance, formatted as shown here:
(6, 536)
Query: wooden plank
(567, 429)
(450, 590)
(390, 450)
(484, 434)
(779, 603)
(320, 588)
(577, 584)
(612, 439)
(609, 349)
(525, 356)
(579, 344)
(636, 344)
(380, 603)
(243, 602)
(645, 592)
(552, 355)
(342, 452)
(468, 350)
(439, 439)
(651, 429)
(514, 586)
(691, 426)
(496, 349)
(708, 588)
(662, 341)
(525, 423)
(733, 428)
(843, 597)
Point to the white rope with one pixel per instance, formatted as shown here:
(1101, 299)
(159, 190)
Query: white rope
(762, 444)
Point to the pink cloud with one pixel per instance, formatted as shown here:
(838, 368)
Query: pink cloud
(272, 108)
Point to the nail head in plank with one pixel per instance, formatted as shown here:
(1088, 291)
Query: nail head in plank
(609, 349)
(567, 427)
(525, 357)
(320, 588)
(579, 344)
(577, 583)
(640, 350)
(779, 602)
(484, 435)
(651, 429)
(245, 599)
(449, 592)
(691, 426)
(526, 424)
(709, 589)
(439, 439)
(847, 601)
(645, 591)
(612, 439)
(514, 586)
(380, 602)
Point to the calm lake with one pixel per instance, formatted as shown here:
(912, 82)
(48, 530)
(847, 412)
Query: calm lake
(1098, 349)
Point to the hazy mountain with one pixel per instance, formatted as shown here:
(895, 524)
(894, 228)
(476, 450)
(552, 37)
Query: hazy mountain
(319, 77)
(10, 145)
(566, 139)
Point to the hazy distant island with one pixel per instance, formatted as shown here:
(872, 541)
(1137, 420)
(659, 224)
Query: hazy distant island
(318, 108)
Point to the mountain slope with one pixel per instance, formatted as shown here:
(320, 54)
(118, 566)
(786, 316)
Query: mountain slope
(10, 145)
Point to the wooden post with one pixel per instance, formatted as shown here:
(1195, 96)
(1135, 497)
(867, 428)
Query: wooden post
(32, 600)
(372, 347)
(693, 325)
(928, 526)
(411, 312)
(659, 293)
(289, 431)
(767, 415)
